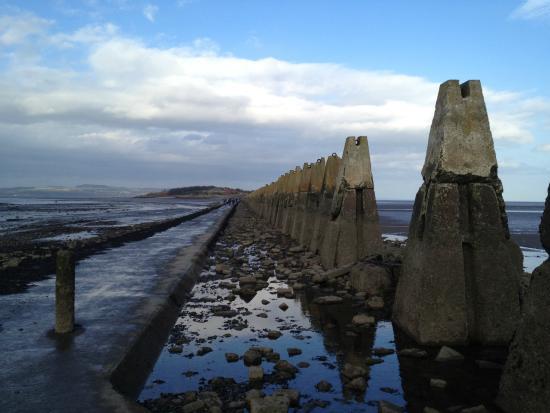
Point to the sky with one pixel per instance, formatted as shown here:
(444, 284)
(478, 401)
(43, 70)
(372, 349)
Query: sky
(235, 93)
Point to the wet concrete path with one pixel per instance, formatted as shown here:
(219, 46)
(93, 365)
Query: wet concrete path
(237, 307)
(40, 373)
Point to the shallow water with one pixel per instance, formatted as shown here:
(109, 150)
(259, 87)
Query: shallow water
(110, 287)
(22, 214)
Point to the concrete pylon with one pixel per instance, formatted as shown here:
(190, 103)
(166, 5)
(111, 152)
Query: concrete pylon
(460, 276)
(312, 202)
(328, 186)
(301, 199)
(353, 232)
(64, 292)
(290, 204)
(525, 382)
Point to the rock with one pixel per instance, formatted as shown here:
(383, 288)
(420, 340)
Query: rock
(319, 278)
(203, 350)
(544, 227)
(430, 410)
(269, 404)
(283, 306)
(438, 383)
(359, 384)
(254, 394)
(292, 395)
(381, 352)
(293, 351)
(231, 357)
(193, 407)
(274, 334)
(255, 373)
(525, 381)
(369, 278)
(489, 365)
(285, 366)
(351, 372)
(387, 407)
(176, 348)
(459, 282)
(475, 409)
(285, 292)
(329, 299)
(265, 351)
(265, 302)
(413, 352)
(361, 320)
(252, 358)
(375, 303)
(303, 364)
(323, 386)
(247, 280)
(295, 250)
(262, 315)
(448, 354)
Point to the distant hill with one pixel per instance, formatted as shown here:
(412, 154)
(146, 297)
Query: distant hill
(206, 191)
(80, 191)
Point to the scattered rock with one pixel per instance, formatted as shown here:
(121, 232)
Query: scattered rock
(255, 373)
(329, 299)
(203, 350)
(175, 349)
(438, 383)
(283, 306)
(381, 352)
(448, 354)
(292, 395)
(387, 407)
(375, 303)
(252, 358)
(361, 320)
(293, 351)
(413, 352)
(274, 334)
(323, 386)
(269, 404)
(231, 357)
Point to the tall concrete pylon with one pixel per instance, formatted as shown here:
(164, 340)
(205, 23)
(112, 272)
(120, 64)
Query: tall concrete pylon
(292, 195)
(353, 232)
(301, 199)
(322, 217)
(312, 202)
(459, 282)
(525, 382)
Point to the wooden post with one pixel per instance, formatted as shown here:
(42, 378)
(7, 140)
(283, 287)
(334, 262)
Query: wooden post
(64, 292)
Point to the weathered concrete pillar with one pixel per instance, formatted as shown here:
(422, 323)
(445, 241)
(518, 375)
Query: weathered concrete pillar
(327, 191)
(290, 204)
(525, 383)
(459, 282)
(301, 199)
(64, 292)
(354, 232)
(313, 199)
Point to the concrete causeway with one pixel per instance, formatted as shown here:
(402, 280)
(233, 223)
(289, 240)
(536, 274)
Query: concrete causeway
(117, 294)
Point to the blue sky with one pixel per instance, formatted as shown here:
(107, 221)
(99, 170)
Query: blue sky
(167, 93)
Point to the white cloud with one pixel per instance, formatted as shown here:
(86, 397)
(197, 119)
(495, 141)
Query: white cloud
(17, 29)
(532, 9)
(194, 107)
(150, 12)
(544, 148)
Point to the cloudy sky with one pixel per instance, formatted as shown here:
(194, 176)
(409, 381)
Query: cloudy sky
(172, 93)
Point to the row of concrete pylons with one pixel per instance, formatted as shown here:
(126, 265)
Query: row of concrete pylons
(460, 277)
(328, 206)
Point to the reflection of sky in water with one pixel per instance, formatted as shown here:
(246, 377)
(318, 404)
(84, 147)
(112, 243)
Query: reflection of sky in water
(170, 367)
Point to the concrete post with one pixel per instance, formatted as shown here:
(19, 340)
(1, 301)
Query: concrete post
(64, 292)
(459, 282)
